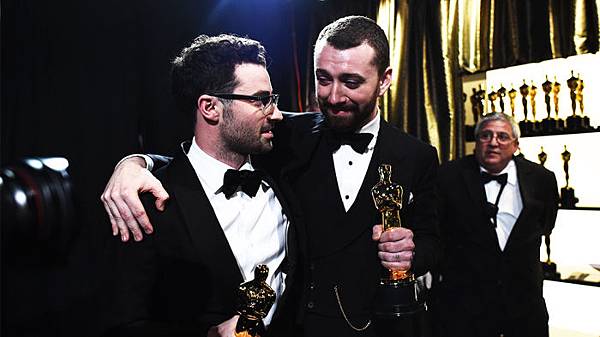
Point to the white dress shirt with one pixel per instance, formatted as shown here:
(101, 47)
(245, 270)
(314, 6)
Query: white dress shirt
(351, 167)
(255, 227)
(510, 204)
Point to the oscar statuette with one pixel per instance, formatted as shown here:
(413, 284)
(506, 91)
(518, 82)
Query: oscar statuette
(512, 94)
(492, 96)
(255, 300)
(501, 94)
(579, 98)
(559, 122)
(549, 267)
(536, 125)
(525, 125)
(574, 121)
(398, 310)
(548, 123)
(567, 193)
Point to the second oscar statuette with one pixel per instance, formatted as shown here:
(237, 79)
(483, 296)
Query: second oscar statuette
(398, 310)
(255, 299)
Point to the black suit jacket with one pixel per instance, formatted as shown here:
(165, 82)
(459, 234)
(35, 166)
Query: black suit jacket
(183, 279)
(338, 249)
(348, 257)
(485, 290)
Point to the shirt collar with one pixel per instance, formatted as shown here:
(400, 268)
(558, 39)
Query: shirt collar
(510, 169)
(372, 127)
(209, 170)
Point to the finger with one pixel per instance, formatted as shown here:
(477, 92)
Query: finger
(140, 218)
(395, 257)
(377, 229)
(113, 223)
(121, 226)
(161, 197)
(396, 234)
(105, 198)
(396, 246)
(127, 217)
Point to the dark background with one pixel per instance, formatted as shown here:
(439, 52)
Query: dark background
(89, 81)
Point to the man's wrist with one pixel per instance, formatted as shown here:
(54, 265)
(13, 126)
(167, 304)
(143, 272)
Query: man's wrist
(149, 163)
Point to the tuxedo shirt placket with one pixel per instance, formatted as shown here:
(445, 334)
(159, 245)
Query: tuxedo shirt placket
(509, 205)
(255, 227)
(351, 167)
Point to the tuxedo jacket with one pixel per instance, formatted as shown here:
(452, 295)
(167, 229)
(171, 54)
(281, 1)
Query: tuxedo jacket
(183, 278)
(483, 289)
(337, 246)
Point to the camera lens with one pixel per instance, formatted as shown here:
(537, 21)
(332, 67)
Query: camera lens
(38, 213)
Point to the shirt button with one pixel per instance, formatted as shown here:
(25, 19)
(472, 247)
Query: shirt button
(347, 197)
(350, 162)
(311, 305)
(312, 286)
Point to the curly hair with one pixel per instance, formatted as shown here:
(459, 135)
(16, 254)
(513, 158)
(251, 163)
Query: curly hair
(208, 65)
(352, 31)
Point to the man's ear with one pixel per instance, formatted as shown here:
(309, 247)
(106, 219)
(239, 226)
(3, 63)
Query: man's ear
(208, 108)
(385, 81)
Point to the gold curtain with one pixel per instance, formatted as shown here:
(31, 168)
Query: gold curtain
(426, 97)
(419, 101)
(497, 34)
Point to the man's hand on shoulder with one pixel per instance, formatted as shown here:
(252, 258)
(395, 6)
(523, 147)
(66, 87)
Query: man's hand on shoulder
(396, 247)
(121, 198)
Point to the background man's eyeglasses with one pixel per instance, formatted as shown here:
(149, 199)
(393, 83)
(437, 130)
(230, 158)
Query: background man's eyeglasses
(267, 101)
(502, 138)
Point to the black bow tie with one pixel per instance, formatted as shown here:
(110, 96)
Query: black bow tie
(248, 181)
(500, 178)
(358, 141)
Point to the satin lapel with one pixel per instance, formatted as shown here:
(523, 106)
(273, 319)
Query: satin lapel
(302, 152)
(200, 219)
(526, 188)
(483, 225)
(363, 212)
(388, 151)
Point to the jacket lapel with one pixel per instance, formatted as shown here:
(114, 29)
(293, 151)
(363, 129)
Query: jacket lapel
(388, 151)
(302, 150)
(202, 224)
(476, 192)
(527, 187)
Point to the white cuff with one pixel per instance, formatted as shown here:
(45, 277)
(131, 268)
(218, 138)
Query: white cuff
(147, 159)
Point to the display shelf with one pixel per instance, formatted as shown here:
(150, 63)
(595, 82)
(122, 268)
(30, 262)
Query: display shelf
(564, 133)
(582, 209)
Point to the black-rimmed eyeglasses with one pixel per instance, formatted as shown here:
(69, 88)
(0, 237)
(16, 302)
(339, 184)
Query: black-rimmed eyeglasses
(267, 101)
(502, 138)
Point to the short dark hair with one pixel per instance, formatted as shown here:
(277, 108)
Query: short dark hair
(208, 65)
(352, 31)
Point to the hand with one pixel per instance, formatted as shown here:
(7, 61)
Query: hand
(225, 329)
(396, 247)
(122, 202)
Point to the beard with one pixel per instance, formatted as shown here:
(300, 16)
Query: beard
(239, 138)
(358, 115)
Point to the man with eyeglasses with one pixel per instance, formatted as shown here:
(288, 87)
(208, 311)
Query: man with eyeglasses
(226, 214)
(494, 208)
(328, 162)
